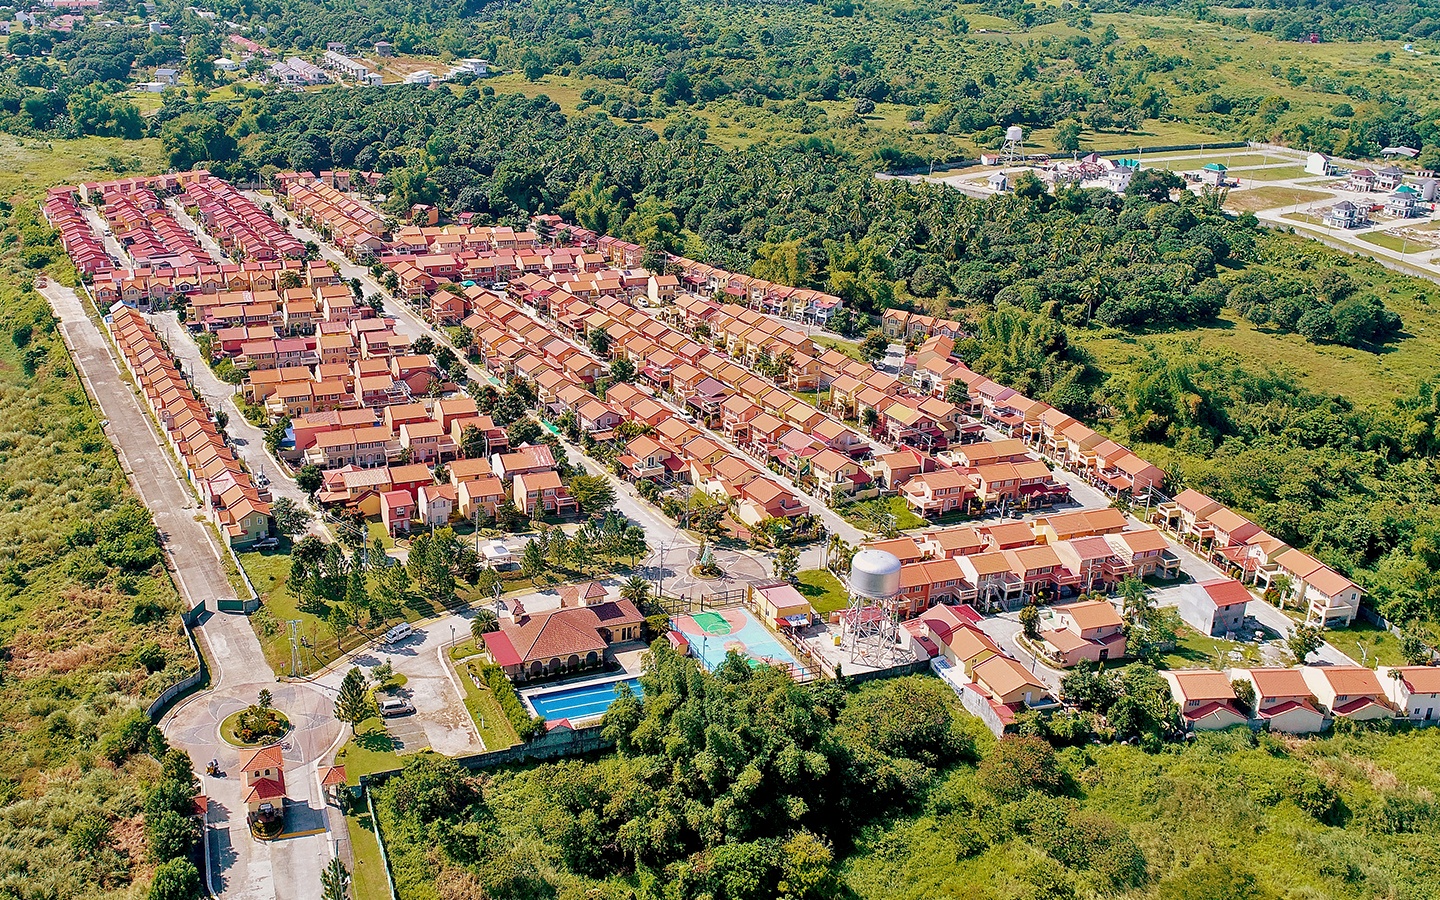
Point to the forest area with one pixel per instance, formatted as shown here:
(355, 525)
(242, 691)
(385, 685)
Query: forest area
(742, 785)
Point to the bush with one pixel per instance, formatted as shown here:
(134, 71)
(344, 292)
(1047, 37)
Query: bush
(170, 835)
(1019, 765)
(129, 735)
(528, 727)
(177, 879)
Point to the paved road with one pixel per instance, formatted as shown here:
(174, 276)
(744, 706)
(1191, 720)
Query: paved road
(247, 440)
(239, 866)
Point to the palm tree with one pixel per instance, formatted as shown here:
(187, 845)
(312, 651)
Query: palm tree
(635, 589)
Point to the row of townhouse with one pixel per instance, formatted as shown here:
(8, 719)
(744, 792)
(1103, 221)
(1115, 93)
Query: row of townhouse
(148, 233)
(419, 240)
(290, 310)
(143, 286)
(699, 279)
(985, 474)
(1256, 557)
(300, 389)
(170, 183)
(1001, 565)
(83, 246)
(1231, 540)
(903, 326)
(1306, 699)
(237, 224)
(233, 502)
(991, 683)
(351, 225)
(512, 343)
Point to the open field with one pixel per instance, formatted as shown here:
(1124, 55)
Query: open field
(1269, 198)
(824, 591)
(1391, 242)
(28, 165)
(1363, 377)
(368, 751)
(368, 881)
(1282, 173)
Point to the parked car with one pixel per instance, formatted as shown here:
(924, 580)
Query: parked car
(395, 707)
(398, 633)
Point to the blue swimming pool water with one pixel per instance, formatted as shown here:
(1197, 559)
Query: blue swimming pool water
(760, 644)
(583, 701)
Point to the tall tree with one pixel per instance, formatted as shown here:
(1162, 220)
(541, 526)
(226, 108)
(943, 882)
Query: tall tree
(353, 704)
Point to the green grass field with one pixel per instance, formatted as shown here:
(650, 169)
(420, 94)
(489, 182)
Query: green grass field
(1392, 242)
(1283, 173)
(368, 751)
(1254, 200)
(873, 514)
(824, 591)
(368, 881)
(27, 164)
(490, 720)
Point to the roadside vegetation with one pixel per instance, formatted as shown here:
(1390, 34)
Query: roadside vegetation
(90, 632)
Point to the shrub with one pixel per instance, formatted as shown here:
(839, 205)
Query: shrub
(131, 734)
(1019, 765)
(177, 879)
(528, 727)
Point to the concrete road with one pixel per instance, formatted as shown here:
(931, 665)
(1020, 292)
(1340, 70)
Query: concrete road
(1004, 629)
(238, 865)
(206, 241)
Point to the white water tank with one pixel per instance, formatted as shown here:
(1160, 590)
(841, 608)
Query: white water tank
(1015, 133)
(875, 574)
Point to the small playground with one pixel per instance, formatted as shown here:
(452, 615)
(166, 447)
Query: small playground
(714, 633)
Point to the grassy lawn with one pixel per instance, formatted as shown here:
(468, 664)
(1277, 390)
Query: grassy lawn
(1380, 646)
(870, 514)
(1269, 198)
(490, 720)
(846, 347)
(824, 591)
(1194, 650)
(375, 530)
(368, 881)
(369, 751)
(1282, 173)
(465, 649)
(814, 398)
(269, 570)
(1392, 242)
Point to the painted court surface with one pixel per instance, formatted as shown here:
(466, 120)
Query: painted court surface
(583, 701)
(713, 634)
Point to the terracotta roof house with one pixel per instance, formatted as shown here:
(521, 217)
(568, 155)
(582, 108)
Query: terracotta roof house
(563, 640)
(1089, 630)
(1351, 692)
(1217, 608)
(264, 777)
(1283, 700)
(1415, 690)
(1009, 683)
(1206, 699)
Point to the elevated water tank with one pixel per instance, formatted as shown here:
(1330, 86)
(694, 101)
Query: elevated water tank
(1015, 133)
(875, 574)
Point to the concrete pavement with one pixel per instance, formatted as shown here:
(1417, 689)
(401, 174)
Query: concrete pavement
(430, 685)
(238, 866)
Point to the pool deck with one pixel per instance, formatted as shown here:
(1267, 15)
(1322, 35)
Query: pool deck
(527, 695)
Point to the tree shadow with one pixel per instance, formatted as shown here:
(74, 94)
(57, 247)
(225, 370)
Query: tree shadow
(376, 741)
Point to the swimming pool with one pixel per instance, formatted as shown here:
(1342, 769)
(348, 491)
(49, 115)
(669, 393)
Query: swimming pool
(581, 701)
(712, 635)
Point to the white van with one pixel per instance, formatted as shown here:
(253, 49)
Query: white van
(398, 633)
(395, 707)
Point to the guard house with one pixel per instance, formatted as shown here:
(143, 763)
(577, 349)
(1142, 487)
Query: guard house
(999, 182)
(1214, 173)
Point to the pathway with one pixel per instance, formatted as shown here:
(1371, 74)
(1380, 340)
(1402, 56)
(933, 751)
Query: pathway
(239, 867)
